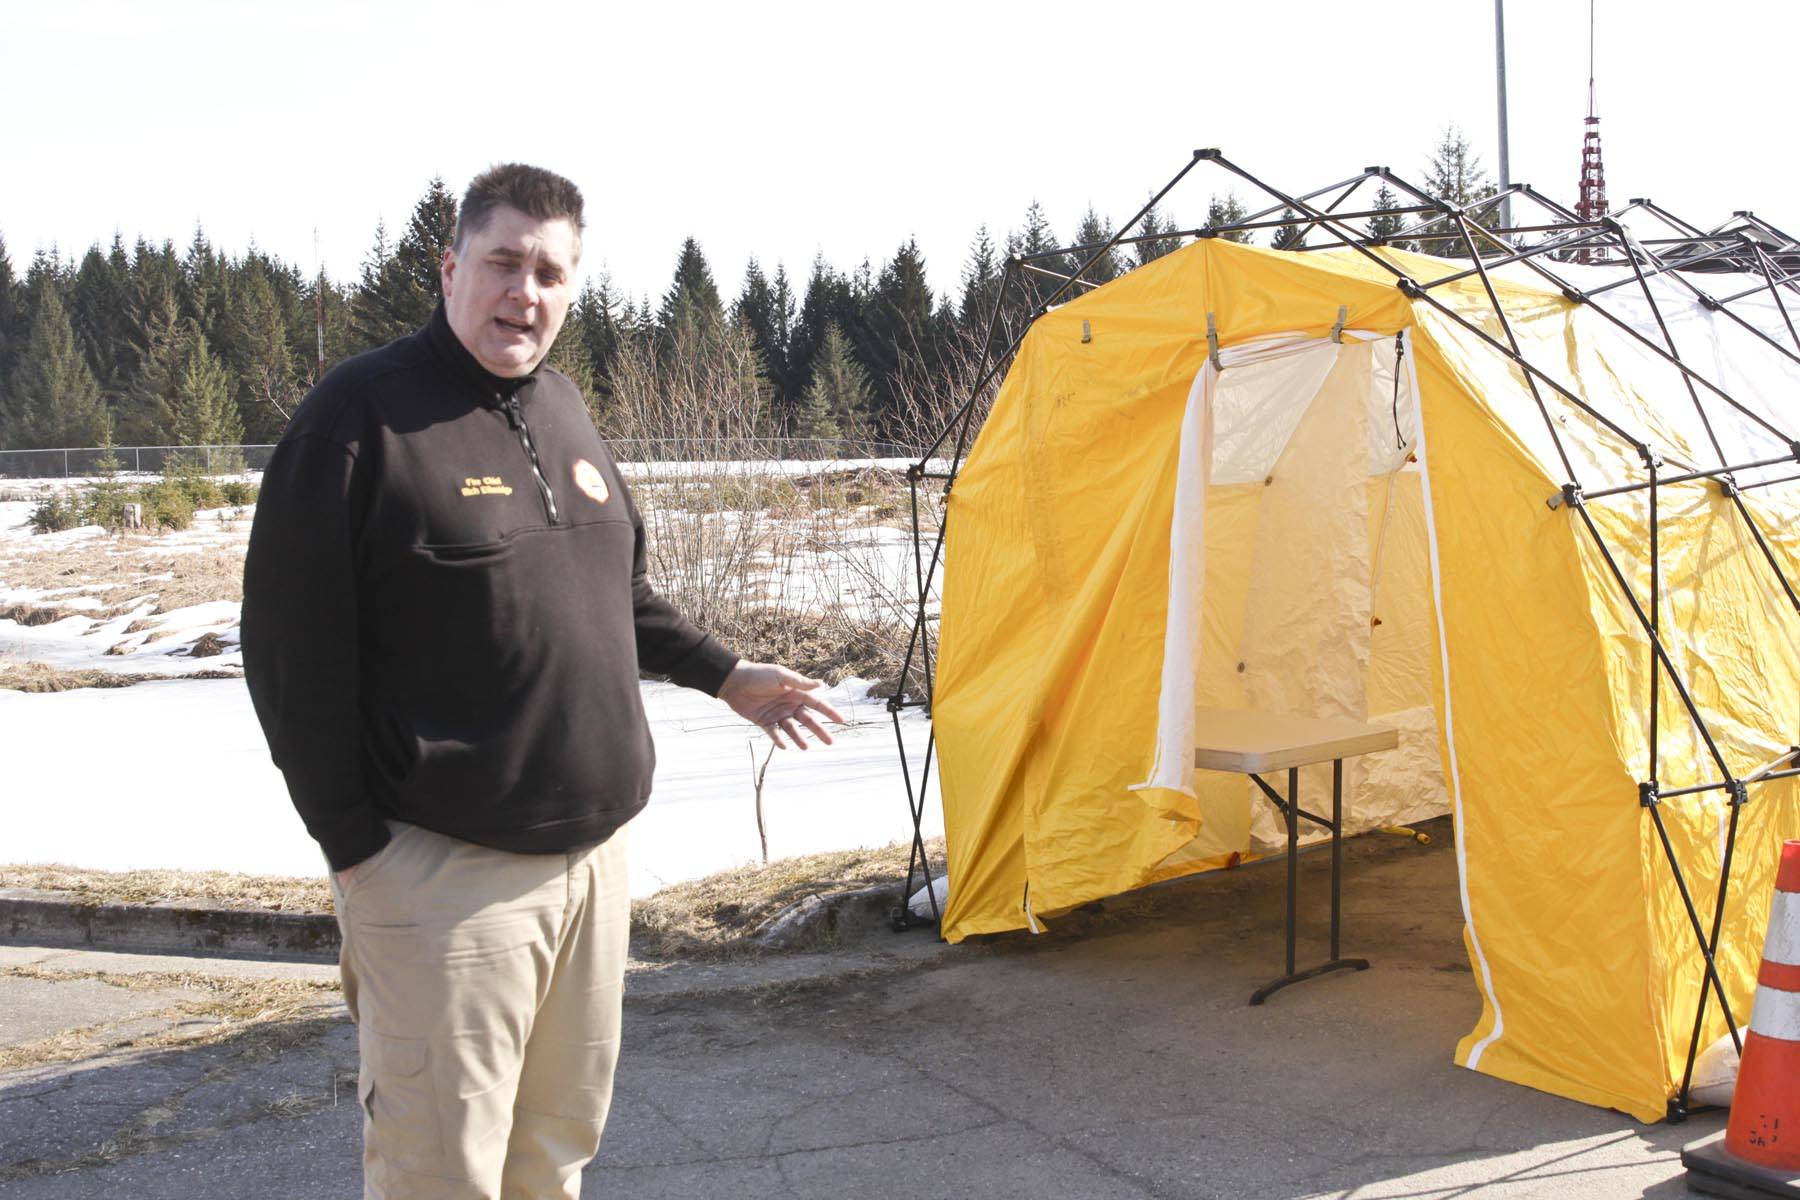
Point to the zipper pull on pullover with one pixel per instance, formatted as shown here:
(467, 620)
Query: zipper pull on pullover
(515, 416)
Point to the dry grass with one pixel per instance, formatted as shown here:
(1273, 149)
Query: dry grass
(124, 570)
(713, 917)
(216, 573)
(41, 677)
(217, 889)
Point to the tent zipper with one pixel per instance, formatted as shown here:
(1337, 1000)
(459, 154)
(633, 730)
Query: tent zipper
(515, 417)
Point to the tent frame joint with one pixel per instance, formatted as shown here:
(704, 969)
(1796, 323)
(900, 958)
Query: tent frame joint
(1570, 495)
(1648, 795)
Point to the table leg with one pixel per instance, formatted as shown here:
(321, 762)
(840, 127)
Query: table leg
(1293, 859)
(1337, 845)
(1334, 963)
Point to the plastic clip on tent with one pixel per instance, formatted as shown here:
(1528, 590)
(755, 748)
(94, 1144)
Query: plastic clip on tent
(1759, 1152)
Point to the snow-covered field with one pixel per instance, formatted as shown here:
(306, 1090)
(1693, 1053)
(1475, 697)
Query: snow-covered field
(175, 773)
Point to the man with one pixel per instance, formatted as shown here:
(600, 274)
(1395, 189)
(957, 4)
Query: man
(445, 614)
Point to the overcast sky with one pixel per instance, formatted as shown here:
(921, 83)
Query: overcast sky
(785, 130)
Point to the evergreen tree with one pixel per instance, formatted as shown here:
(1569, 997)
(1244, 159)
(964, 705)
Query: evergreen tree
(1158, 231)
(1454, 175)
(1385, 226)
(378, 305)
(754, 313)
(205, 413)
(418, 260)
(53, 396)
(981, 278)
(155, 289)
(783, 313)
(569, 354)
(838, 399)
(691, 306)
(338, 307)
(259, 357)
(205, 283)
(147, 415)
(597, 316)
(1030, 245)
(1092, 231)
(12, 329)
(830, 299)
(898, 334)
(100, 313)
(46, 272)
(1288, 237)
(1228, 210)
(400, 284)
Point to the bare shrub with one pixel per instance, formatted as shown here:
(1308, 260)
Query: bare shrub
(785, 566)
(694, 419)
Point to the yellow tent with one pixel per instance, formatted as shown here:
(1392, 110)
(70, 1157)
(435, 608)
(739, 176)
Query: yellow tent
(1349, 508)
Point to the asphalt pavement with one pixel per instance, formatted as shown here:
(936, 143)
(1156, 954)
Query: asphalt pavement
(1115, 1056)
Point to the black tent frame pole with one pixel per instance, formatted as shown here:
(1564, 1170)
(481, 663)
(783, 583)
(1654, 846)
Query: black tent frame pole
(1767, 270)
(1674, 360)
(1718, 473)
(1726, 480)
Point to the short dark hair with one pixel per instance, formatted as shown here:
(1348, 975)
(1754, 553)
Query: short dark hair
(539, 194)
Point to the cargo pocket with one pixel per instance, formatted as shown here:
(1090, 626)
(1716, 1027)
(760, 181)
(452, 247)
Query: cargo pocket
(399, 1106)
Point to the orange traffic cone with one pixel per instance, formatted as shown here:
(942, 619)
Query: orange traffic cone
(1759, 1153)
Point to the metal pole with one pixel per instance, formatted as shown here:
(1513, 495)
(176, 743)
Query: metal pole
(1337, 848)
(1500, 77)
(1293, 864)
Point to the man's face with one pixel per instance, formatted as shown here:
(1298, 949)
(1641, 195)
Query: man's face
(506, 292)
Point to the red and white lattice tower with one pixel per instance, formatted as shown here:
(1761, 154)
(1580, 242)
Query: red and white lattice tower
(1591, 205)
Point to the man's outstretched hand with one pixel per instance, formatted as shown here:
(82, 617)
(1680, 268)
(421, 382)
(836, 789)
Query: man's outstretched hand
(779, 700)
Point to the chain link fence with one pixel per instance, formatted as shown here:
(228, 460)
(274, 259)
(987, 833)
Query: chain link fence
(88, 462)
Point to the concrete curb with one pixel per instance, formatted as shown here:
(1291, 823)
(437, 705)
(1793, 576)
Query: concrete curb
(42, 918)
(45, 918)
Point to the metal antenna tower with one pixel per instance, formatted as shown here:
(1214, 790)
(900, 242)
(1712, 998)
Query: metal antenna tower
(1592, 203)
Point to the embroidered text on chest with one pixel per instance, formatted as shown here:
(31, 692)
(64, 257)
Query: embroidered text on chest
(486, 485)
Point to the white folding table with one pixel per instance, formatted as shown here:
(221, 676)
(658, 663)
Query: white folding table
(1251, 743)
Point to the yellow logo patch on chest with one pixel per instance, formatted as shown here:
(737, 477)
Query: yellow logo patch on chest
(485, 485)
(590, 481)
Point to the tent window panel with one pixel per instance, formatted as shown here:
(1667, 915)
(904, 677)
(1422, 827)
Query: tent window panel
(1257, 408)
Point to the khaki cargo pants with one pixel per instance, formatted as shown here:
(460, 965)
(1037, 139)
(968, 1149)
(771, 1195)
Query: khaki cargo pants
(486, 990)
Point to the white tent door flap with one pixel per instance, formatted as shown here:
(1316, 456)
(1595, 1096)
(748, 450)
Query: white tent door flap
(1300, 580)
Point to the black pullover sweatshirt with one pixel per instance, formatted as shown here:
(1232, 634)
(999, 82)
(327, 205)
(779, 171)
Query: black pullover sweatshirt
(446, 609)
